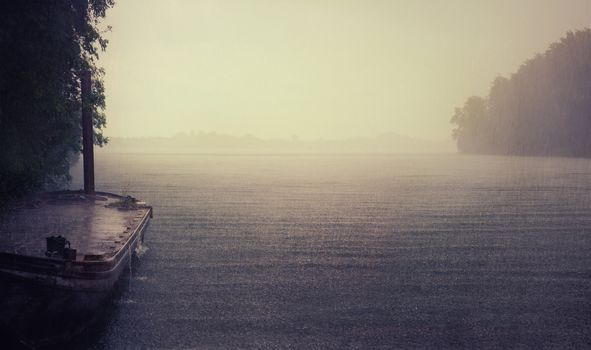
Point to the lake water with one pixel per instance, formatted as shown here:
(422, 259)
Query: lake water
(354, 252)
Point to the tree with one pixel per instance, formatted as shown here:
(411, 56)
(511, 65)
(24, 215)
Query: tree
(43, 47)
(470, 119)
(542, 109)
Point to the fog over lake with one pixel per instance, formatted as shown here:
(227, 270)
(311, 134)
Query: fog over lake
(352, 174)
(351, 251)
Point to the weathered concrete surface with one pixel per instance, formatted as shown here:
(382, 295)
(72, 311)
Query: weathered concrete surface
(94, 225)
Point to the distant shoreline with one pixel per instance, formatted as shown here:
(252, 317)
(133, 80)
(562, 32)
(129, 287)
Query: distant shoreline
(212, 143)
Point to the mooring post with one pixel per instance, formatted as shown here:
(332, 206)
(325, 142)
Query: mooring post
(87, 133)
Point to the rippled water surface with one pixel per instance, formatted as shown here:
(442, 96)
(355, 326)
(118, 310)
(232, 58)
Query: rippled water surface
(354, 252)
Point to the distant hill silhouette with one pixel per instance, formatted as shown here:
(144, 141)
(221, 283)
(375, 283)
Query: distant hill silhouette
(542, 109)
(219, 143)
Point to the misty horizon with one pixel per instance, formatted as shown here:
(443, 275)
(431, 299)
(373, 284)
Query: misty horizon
(204, 142)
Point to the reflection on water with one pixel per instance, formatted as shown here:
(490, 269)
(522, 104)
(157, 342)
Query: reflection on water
(354, 252)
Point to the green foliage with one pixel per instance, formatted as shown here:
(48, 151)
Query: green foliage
(543, 109)
(43, 47)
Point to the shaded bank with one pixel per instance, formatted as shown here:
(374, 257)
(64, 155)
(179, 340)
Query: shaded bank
(44, 45)
(542, 109)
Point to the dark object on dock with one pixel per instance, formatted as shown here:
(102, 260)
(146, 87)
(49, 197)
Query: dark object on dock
(56, 246)
(40, 291)
(69, 254)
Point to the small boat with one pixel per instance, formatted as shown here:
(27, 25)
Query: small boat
(61, 255)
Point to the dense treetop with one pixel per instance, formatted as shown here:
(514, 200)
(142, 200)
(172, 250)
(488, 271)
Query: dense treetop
(542, 109)
(44, 44)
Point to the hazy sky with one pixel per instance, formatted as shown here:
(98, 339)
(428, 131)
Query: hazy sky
(316, 68)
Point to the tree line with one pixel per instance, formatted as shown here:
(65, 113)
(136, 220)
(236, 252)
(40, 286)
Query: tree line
(542, 109)
(44, 44)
